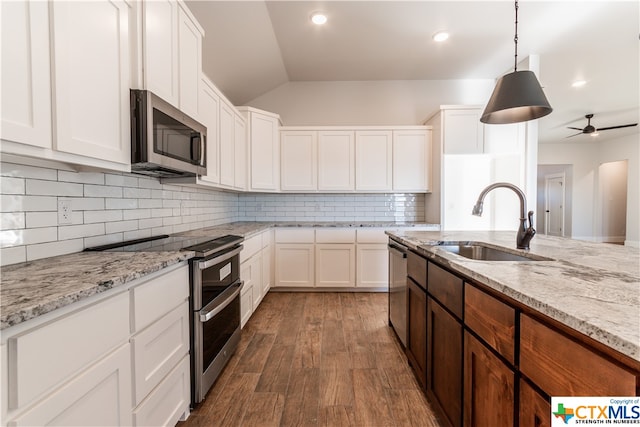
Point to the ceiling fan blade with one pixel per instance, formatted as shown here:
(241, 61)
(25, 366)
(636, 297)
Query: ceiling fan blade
(618, 127)
(569, 127)
(575, 134)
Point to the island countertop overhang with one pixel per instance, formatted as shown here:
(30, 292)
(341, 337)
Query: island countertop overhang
(592, 288)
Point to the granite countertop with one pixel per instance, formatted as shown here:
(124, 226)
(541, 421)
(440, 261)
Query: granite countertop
(33, 288)
(593, 288)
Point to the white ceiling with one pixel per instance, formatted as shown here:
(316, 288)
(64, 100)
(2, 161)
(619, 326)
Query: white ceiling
(252, 47)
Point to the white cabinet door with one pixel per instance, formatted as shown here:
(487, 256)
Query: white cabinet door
(190, 63)
(161, 49)
(264, 147)
(166, 404)
(336, 162)
(92, 78)
(209, 114)
(227, 145)
(335, 265)
(463, 132)
(99, 396)
(158, 349)
(26, 78)
(373, 266)
(373, 160)
(266, 270)
(240, 156)
(246, 301)
(411, 160)
(299, 161)
(294, 265)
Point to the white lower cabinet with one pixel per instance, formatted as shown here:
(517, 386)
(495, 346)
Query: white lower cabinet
(372, 261)
(100, 395)
(113, 359)
(166, 404)
(255, 271)
(295, 264)
(335, 265)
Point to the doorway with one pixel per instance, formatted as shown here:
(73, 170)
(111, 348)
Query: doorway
(554, 188)
(612, 177)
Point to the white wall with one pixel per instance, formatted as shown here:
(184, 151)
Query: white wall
(613, 201)
(586, 156)
(406, 102)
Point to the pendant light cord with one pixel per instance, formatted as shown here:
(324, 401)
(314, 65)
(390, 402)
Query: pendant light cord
(515, 41)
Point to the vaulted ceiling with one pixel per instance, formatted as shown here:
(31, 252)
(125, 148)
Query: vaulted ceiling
(252, 47)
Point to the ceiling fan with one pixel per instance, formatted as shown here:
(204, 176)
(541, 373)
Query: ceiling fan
(592, 130)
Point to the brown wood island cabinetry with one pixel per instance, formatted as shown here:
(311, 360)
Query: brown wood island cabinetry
(416, 348)
(485, 359)
(444, 344)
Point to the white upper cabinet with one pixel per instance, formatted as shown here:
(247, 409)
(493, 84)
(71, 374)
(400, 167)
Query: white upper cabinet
(160, 40)
(336, 160)
(209, 115)
(171, 53)
(299, 160)
(26, 77)
(190, 62)
(227, 145)
(463, 133)
(240, 145)
(264, 149)
(411, 160)
(91, 56)
(373, 160)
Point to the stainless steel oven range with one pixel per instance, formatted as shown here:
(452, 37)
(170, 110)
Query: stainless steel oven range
(215, 297)
(214, 300)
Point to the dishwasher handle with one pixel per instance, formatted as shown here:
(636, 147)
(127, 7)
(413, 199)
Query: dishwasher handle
(398, 249)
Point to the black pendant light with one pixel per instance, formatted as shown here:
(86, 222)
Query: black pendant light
(517, 96)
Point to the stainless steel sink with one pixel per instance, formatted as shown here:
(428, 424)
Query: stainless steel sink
(482, 252)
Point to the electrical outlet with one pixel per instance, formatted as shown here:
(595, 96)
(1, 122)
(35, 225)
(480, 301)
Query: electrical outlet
(64, 211)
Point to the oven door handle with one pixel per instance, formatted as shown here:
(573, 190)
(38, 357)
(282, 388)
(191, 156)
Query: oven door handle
(215, 307)
(203, 265)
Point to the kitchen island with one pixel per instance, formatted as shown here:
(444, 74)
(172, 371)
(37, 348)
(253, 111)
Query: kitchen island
(492, 338)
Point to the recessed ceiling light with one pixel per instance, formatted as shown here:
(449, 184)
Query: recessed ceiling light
(319, 18)
(440, 36)
(578, 83)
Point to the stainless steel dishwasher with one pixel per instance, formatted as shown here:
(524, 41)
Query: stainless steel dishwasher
(398, 289)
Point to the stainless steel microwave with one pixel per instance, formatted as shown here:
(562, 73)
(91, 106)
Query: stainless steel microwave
(165, 142)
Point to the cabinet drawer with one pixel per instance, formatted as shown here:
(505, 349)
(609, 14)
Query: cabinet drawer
(493, 320)
(251, 246)
(295, 235)
(335, 235)
(168, 401)
(371, 235)
(562, 367)
(157, 349)
(445, 287)
(266, 239)
(417, 269)
(158, 296)
(41, 358)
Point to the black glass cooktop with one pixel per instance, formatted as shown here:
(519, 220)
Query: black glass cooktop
(203, 246)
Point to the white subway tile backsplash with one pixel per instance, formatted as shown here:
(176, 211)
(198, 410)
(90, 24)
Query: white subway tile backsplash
(91, 217)
(80, 231)
(12, 220)
(20, 203)
(81, 177)
(111, 207)
(41, 219)
(10, 185)
(13, 255)
(46, 250)
(22, 171)
(102, 191)
(52, 188)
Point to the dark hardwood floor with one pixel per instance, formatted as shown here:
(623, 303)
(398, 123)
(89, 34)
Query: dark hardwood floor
(316, 359)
